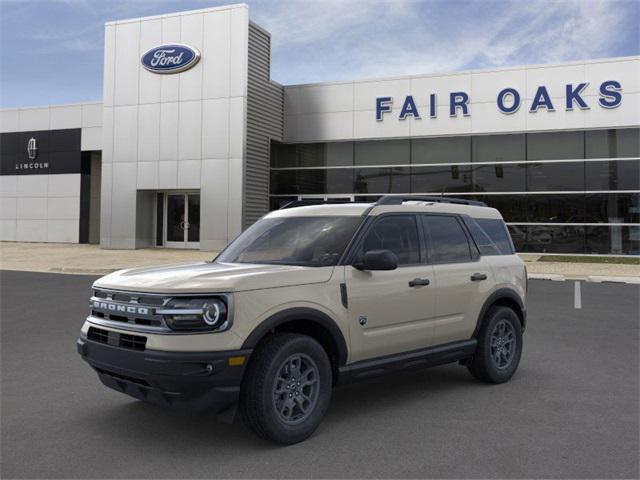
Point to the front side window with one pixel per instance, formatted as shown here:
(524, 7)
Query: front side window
(397, 233)
(447, 239)
(303, 241)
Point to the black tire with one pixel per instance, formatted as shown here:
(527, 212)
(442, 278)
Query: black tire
(489, 363)
(263, 400)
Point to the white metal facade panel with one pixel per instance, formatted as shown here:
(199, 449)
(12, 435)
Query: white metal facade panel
(325, 112)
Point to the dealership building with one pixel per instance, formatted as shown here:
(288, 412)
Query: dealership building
(193, 142)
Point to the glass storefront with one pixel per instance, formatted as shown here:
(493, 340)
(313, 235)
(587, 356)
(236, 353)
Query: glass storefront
(579, 179)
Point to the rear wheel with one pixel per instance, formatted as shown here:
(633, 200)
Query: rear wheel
(499, 346)
(287, 388)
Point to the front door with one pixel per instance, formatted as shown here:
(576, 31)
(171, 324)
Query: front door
(391, 311)
(182, 220)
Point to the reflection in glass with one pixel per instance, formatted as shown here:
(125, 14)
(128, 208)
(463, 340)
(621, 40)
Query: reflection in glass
(548, 238)
(175, 218)
(446, 178)
(499, 178)
(441, 150)
(555, 145)
(613, 240)
(613, 175)
(545, 177)
(193, 233)
(612, 208)
(612, 143)
(556, 208)
(382, 180)
(499, 148)
(382, 152)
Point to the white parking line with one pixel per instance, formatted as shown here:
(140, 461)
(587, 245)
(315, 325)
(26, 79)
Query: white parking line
(577, 295)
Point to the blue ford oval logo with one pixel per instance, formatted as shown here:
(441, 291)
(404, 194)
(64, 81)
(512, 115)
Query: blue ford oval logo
(172, 58)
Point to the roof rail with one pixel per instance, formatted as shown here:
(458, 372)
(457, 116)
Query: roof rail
(313, 201)
(399, 199)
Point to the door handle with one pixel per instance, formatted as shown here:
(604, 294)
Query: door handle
(478, 277)
(419, 282)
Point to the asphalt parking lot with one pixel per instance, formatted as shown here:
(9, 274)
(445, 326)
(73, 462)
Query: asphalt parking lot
(571, 411)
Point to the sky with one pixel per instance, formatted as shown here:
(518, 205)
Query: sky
(51, 51)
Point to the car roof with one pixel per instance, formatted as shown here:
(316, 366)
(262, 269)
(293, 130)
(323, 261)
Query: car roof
(412, 206)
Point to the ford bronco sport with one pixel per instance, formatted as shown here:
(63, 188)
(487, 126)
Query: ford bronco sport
(310, 297)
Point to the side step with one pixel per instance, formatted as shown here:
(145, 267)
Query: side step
(425, 357)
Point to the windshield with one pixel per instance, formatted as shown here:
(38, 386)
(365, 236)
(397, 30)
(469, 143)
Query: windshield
(304, 241)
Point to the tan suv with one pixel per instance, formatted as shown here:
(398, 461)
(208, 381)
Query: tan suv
(310, 297)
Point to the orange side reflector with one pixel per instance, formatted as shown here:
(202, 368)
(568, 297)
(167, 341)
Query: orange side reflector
(236, 361)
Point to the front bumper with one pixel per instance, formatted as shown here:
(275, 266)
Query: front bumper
(196, 381)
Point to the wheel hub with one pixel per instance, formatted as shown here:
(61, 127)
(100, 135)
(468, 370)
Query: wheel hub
(296, 388)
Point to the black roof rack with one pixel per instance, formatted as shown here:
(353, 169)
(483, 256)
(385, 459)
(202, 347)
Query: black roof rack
(313, 201)
(399, 199)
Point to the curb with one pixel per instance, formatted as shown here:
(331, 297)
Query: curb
(587, 278)
(84, 271)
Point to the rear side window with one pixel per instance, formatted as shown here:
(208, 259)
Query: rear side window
(480, 237)
(497, 231)
(447, 241)
(397, 233)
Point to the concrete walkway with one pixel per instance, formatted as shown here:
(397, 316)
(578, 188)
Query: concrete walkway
(90, 259)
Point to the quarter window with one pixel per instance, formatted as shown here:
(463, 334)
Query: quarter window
(448, 242)
(397, 233)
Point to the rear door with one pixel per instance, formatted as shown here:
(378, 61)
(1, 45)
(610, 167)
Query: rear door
(389, 312)
(462, 277)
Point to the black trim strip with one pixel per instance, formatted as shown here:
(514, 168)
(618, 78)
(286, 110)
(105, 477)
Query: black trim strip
(424, 357)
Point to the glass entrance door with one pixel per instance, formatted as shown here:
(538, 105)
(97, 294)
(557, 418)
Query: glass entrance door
(182, 220)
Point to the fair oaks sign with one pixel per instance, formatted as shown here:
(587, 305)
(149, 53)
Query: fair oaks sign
(173, 58)
(508, 100)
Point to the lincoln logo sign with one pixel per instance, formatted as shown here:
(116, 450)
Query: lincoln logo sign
(172, 58)
(508, 101)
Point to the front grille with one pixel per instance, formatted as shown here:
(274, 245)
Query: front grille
(115, 339)
(134, 309)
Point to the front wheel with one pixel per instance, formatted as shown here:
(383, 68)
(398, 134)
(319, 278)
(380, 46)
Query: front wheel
(287, 388)
(499, 346)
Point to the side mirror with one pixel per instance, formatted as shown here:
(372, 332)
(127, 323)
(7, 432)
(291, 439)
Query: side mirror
(377, 260)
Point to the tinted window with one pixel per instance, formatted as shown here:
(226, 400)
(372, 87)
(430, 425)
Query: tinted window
(447, 240)
(612, 208)
(548, 238)
(555, 208)
(481, 239)
(563, 176)
(613, 143)
(382, 152)
(382, 180)
(499, 148)
(397, 233)
(613, 175)
(439, 179)
(512, 207)
(498, 233)
(555, 145)
(441, 150)
(305, 241)
(499, 178)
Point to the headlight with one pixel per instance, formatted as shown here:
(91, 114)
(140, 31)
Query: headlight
(196, 314)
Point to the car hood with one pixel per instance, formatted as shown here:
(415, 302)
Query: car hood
(212, 277)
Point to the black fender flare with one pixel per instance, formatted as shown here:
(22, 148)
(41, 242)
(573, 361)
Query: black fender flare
(300, 313)
(499, 294)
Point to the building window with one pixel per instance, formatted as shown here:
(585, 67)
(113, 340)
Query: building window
(613, 175)
(612, 143)
(499, 178)
(550, 177)
(499, 148)
(382, 152)
(382, 180)
(555, 146)
(441, 179)
(440, 150)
